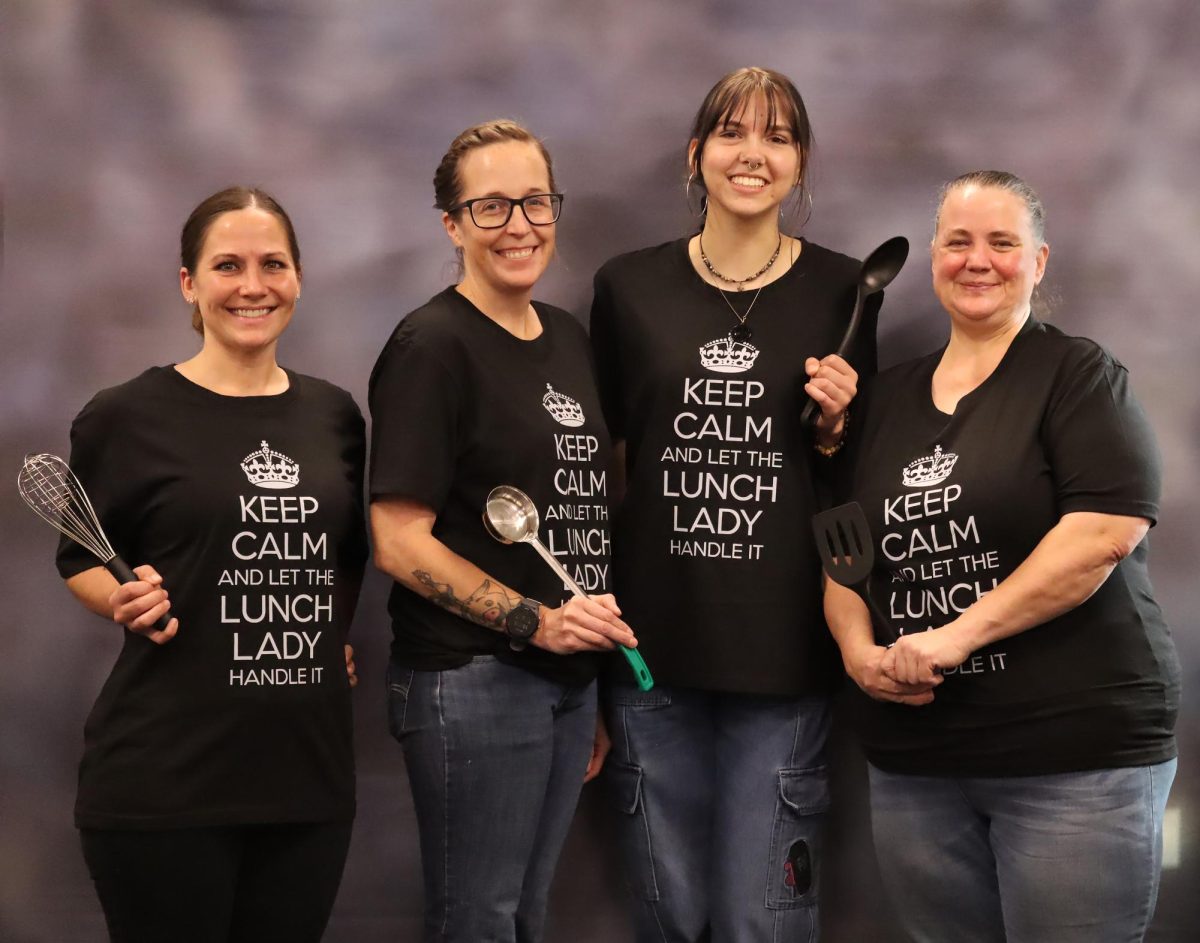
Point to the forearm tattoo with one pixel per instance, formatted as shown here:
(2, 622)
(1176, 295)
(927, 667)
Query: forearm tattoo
(488, 605)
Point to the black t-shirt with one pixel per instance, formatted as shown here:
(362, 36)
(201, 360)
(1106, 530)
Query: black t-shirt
(714, 562)
(956, 503)
(459, 405)
(251, 509)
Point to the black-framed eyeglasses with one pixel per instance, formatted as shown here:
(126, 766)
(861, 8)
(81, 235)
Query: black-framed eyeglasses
(492, 212)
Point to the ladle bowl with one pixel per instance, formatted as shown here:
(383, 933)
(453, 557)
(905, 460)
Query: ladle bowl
(511, 517)
(511, 514)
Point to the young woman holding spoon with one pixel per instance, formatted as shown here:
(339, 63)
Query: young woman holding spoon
(708, 349)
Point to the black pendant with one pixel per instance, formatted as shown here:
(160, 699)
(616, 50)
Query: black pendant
(742, 332)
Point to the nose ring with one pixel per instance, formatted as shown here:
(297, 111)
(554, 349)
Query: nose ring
(753, 164)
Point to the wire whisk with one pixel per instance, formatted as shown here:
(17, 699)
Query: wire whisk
(50, 488)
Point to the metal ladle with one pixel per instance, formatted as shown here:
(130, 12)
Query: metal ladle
(877, 272)
(510, 516)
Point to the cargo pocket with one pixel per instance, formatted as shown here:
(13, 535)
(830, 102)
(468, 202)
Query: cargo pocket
(399, 681)
(623, 784)
(800, 812)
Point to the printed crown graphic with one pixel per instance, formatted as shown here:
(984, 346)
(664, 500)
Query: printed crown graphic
(270, 469)
(726, 355)
(930, 469)
(567, 411)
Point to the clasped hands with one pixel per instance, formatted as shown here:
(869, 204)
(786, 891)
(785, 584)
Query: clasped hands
(908, 671)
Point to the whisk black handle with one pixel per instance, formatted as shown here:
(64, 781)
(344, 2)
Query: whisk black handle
(120, 569)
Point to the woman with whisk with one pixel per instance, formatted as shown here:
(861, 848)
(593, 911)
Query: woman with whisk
(216, 791)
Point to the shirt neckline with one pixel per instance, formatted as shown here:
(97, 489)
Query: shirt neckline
(1031, 324)
(203, 392)
(468, 306)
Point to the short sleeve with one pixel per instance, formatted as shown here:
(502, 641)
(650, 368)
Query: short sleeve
(414, 405)
(95, 461)
(354, 554)
(838, 471)
(831, 473)
(1100, 446)
(353, 549)
(606, 352)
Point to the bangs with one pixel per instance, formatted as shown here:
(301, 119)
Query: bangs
(740, 94)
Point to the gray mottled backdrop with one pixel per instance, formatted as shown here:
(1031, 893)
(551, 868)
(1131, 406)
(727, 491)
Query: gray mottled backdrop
(120, 114)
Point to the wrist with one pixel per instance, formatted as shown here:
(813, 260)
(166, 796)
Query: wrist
(522, 623)
(854, 655)
(546, 616)
(829, 440)
(965, 633)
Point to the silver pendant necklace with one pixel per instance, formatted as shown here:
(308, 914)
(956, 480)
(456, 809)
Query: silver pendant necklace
(742, 332)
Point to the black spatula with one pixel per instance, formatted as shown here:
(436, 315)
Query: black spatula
(848, 554)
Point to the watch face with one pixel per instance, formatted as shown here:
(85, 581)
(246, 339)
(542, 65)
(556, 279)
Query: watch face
(522, 621)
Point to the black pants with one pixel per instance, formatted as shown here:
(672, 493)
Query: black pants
(234, 884)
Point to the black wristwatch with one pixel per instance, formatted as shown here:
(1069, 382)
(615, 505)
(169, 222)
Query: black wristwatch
(521, 622)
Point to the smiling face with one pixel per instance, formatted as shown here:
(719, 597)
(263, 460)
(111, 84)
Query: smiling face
(245, 282)
(509, 260)
(986, 257)
(749, 166)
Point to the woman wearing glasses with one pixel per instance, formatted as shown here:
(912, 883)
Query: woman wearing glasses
(492, 675)
(708, 348)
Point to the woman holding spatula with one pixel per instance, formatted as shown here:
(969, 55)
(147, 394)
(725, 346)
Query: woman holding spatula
(708, 349)
(1010, 479)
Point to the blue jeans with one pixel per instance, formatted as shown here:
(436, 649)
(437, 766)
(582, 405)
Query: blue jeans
(496, 757)
(1067, 858)
(722, 800)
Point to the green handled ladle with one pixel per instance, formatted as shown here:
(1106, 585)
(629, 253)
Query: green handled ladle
(511, 517)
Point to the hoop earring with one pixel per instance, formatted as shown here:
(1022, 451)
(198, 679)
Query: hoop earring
(795, 209)
(790, 202)
(687, 196)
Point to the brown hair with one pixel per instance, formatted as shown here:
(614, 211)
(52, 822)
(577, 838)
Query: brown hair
(195, 230)
(734, 92)
(447, 182)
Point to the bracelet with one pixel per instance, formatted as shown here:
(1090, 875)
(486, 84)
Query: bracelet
(831, 450)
